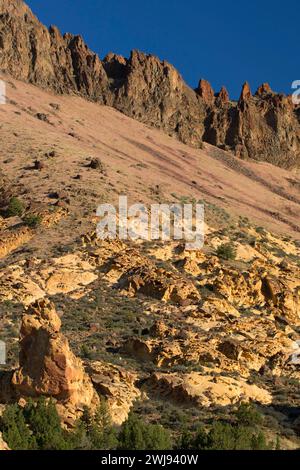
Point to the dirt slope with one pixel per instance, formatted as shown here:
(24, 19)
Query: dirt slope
(139, 161)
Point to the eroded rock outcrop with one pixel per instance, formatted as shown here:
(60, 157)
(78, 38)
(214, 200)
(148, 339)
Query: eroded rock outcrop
(263, 89)
(6, 191)
(206, 92)
(70, 274)
(135, 274)
(47, 365)
(117, 386)
(10, 240)
(205, 390)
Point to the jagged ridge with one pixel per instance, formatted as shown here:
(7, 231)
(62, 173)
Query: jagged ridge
(263, 127)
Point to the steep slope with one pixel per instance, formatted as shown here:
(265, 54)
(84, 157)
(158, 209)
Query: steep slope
(48, 143)
(264, 127)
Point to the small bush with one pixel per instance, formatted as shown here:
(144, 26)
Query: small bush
(32, 220)
(247, 415)
(227, 251)
(15, 208)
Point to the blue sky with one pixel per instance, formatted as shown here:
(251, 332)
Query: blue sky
(226, 42)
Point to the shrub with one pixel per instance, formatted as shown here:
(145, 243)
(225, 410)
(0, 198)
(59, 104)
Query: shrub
(85, 351)
(247, 415)
(226, 251)
(15, 208)
(32, 220)
(137, 435)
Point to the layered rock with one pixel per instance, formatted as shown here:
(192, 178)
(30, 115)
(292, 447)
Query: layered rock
(262, 127)
(12, 239)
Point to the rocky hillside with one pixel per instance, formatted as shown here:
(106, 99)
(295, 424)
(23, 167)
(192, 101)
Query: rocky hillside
(177, 336)
(262, 127)
(183, 338)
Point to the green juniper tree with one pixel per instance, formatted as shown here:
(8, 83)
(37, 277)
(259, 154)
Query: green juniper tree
(15, 430)
(95, 431)
(137, 435)
(44, 422)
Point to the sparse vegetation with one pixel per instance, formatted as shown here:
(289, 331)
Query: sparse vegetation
(15, 208)
(227, 251)
(32, 220)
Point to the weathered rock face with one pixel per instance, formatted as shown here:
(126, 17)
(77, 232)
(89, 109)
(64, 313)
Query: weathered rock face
(31, 52)
(12, 239)
(205, 91)
(69, 274)
(263, 127)
(201, 390)
(117, 386)
(223, 96)
(263, 89)
(143, 87)
(245, 93)
(153, 92)
(47, 365)
(134, 274)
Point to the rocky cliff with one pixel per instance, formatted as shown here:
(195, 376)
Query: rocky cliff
(263, 127)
